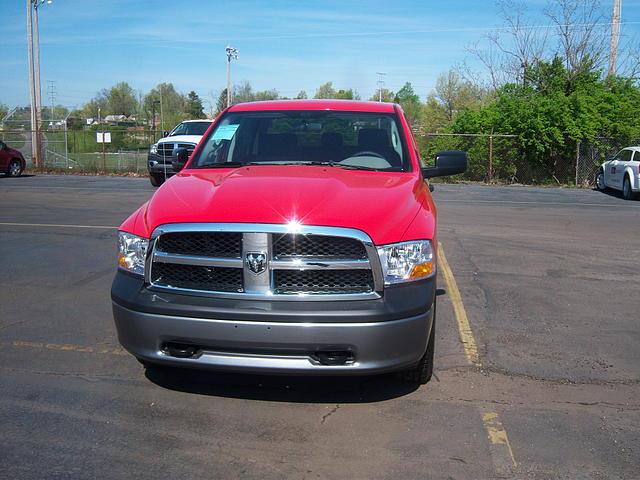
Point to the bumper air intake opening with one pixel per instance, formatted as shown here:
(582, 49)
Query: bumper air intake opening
(180, 350)
(334, 357)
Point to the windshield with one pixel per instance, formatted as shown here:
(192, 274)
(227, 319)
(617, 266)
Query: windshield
(355, 140)
(190, 128)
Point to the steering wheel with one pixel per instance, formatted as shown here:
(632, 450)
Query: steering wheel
(366, 153)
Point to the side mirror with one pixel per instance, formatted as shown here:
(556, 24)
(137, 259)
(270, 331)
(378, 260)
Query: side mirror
(179, 159)
(165, 134)
(447, 163)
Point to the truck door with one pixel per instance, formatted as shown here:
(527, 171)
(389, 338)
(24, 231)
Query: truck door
(621, 161)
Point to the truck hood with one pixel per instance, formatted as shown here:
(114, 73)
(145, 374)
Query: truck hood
(195, 139)
(381, 204)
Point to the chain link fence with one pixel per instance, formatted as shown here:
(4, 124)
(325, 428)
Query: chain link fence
(80, 151)
(497, 158)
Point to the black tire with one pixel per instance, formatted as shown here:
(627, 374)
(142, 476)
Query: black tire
(15, 168)
(422, 372)
(156, 179)
(626, 188)
(600, 185)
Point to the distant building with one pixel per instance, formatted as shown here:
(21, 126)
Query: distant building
(115, 118)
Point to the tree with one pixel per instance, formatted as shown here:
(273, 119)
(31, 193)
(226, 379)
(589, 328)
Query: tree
(271, 94)
(456, 94)
(347, 95)
(193, 107)
(301, 95)
(555, 110)
(409, 100)
(386, 94)
(325, 90)
(167, 104)
(221, 103)
(121, 99)
(96, 107)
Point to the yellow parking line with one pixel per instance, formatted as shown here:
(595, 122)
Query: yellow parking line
(464, 329)
(498, 438)
(509, 202)
(69, 348)
(11, 224)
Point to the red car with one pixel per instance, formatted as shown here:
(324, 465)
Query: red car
(300, 237)
(11, 161)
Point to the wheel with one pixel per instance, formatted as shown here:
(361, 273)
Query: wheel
(156, 179)
(600, 185)
(626, 188)
(421, 372)
(15, 169)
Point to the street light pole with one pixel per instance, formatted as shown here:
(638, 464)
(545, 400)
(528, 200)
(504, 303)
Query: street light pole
(232, 53)
(380, 84)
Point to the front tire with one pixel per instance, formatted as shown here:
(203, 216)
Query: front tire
(156, 179)
(15, 169)
(600, 185)
(626, 188)
(422, 372)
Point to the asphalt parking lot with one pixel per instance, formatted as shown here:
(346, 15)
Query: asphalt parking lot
(537, 373)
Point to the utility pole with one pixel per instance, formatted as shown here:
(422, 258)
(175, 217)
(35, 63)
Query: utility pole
(380, 83)
(615, 34)
(33, 52)
(232, 54)
(32, 85)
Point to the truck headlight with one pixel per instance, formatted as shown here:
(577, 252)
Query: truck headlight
(154, 149)
(132, 251)
(407, 261)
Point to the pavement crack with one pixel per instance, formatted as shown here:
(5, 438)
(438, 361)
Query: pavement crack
(328, 414)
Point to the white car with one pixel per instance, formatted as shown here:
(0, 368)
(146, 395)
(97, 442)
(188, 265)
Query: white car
(186, 134)
(621, 172)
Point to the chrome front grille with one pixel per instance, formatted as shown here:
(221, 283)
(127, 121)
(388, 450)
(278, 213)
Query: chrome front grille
(198, 277)
(315, 282)
(258, 260)
(317, 246)
(212, 244)
(165, 149)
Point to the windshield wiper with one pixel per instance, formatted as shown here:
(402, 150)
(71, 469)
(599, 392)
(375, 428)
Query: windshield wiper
(222, 165)
(333, 163)
(346, 166)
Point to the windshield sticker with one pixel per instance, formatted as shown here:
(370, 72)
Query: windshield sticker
(225, 132)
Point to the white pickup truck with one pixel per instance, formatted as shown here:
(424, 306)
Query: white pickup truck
(187, 135)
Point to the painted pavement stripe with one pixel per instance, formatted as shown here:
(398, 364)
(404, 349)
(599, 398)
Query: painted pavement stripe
(464, 328)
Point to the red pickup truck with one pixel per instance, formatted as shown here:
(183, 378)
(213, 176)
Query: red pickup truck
(298, 238)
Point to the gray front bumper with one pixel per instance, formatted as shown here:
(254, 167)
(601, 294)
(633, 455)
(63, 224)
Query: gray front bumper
(274, 347)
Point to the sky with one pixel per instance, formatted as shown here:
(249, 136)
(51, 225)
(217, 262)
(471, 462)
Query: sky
(88, 45)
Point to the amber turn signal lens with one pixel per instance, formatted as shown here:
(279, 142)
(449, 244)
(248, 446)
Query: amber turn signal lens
(122, 261)
(422, 270)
